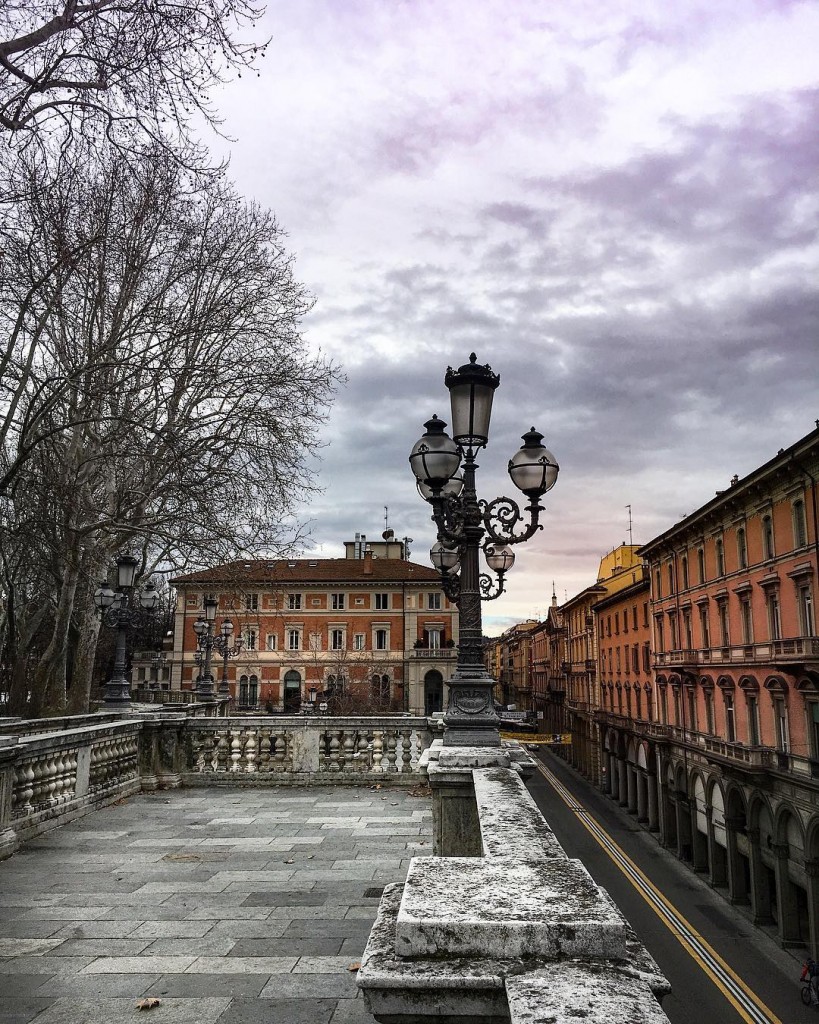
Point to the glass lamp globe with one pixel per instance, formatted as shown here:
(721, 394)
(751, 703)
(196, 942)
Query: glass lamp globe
(499, 557)
(442, 557)
(471, 389)
(435, 457)
(533, 468)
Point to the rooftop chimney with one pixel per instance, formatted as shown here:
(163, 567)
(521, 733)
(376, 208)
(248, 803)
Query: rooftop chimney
(368, 563)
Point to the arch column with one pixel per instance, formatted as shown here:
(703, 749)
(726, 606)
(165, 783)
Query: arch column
(682, 806)
(699, 843)
(760, 894)
(668, 833)
(614, 778)
(717, 875)
(653, 803)
(786, 898)
(631, 776)
(812, 873)
(622, 788)
(642, 795)
(737, 889)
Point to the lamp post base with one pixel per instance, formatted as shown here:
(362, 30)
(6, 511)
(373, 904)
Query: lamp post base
(470, 718)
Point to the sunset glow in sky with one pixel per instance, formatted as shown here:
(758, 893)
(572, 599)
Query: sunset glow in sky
(614, 204)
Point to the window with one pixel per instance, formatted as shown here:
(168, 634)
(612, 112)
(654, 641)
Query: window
(337, 601)
(619, 665)
(270, 642)
(692, 709)
(708, 696)
(634, 616)
(382, 601)
(434, 602)
(700, 565)
(719, 548)
(252, 602)
(742, 548)
(639, 698)
(608, 625)
(689, 638)
(800, 525)
(657, 585)
(672, 625)
(635, 659)
(767, 538)
(660, 636)
(730, 726)
(806, 620)
(625, 621)
(248, 690)
(314, 641)
(251, 637)
(724, 632)
(781, 723)
(337, 639)
(358, 642)
(774, 616)
(294, 639)
(294, 602)
(671, 578)
(705, 632)
(752, 703)
(663, 705)
(645, 614)
(684, 564)
(747, 619)
(675, 696)
(381, 639)
(433, 638)
(646, 657)
(617, 623)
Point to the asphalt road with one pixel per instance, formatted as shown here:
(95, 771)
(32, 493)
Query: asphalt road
(710, 938)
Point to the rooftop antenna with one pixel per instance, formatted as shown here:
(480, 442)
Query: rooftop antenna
(386, 517)
(630, 535)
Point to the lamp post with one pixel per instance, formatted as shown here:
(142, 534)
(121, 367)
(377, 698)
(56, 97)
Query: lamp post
(203, 627)
(444, 468)
(116, 611)
(221, 643)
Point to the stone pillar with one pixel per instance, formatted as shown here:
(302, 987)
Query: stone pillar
(760, 893)
(668, 834)
(631, 779)
(622, 787)
(161, 750)
(8, 837)
(653, 804)
(737, 889)
(455, 825)
(716, 859)
(682, 809)
(812, 874)
(699, 842)
(788, 910)
(642, 795)
(614, 778)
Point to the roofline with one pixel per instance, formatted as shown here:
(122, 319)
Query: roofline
(782, 457)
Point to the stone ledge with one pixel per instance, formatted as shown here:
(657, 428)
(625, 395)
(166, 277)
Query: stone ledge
(545, 908)
(598, 993)
(511, 823)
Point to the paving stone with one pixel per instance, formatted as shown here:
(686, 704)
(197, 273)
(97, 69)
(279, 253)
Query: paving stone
(306, 946)
(44, 965)
(18, 985)
(321, 964)
(351, 1011)
(30, 929)
(96, 929)
(345, 928)
(139, 965)
(23, 1009)
(279, 1011)
(88, 985)
(252, 929)
(242, 965)
(100, 947)
(340, 984)
(68, 1010)
(189, 985)
(285, 899)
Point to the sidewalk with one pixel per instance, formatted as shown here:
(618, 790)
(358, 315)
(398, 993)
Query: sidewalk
(231, 905)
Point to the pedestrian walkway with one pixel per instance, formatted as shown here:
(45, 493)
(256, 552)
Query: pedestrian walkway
(240, 906)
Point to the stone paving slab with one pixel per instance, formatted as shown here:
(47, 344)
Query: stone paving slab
(229, 906)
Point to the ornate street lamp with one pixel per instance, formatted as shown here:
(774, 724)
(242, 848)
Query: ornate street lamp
(116, 611)
(445, 472)
(221, 643)
(207, 643)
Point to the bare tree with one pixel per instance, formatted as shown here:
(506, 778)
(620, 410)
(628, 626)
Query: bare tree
(129, 69)
(157, 392)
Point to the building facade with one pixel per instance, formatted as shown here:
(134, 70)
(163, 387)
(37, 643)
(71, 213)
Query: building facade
(361, 632)
(726, 766)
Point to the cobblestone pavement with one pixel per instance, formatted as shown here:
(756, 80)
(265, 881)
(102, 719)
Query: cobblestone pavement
(231, 905)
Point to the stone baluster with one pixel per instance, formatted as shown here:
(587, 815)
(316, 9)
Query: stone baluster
(406, 750)
(235, 750)
(378, 750)
(265, 743)
(392, 754)
(222, 751)
(54, 767)
(250, 751)
(23, 790)
(347, 750)
(70, 787)
(40, 783)
(280, 751)
(363, 751)
(333, 748)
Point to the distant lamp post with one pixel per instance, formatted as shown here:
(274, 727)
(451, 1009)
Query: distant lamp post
(221, 643)
(117, 611)
(444, 468)
(203, 627)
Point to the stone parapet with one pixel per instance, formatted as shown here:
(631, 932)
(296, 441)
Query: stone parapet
(478, 931)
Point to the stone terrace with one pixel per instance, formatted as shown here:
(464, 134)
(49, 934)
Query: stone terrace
(229, 905)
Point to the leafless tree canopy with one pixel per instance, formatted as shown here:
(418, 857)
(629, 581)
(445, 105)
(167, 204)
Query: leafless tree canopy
(132, 67)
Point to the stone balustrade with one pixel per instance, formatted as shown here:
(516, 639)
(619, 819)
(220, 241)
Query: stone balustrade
(501, 925)
(56, 769)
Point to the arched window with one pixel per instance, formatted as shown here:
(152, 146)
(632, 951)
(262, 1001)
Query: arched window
(800, 524)
(767, 537)
(684, 564)
(742, 548)
(701, 565)
(720, 553)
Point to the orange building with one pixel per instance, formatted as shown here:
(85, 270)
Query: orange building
(376, 631)
(728, 773)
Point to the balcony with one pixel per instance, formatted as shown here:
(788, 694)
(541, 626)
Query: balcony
(435, 653)
(664, 659)
(776, 652)
(590, 665)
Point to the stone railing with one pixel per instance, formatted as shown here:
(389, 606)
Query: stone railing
(301, 749)
(52, 775)
(500, 925)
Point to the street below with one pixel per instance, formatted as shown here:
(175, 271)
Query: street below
(722, 968)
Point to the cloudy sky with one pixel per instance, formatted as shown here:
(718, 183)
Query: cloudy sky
(613, 203)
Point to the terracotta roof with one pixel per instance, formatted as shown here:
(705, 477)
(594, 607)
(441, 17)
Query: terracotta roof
(286, 571)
